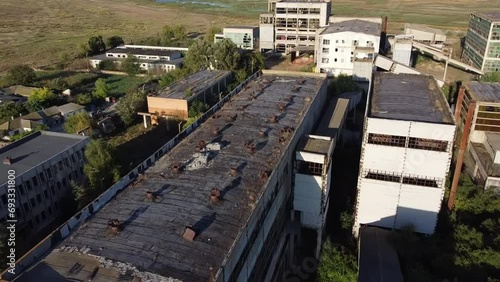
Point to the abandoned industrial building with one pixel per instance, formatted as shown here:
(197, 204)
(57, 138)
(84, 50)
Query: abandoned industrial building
(245, 37)
(482, 43)
(174, 100)
(45, 163)
(482, 159)
(344, 43)
(151, 58)
(406, 153)
(221, 199)
(291, 25)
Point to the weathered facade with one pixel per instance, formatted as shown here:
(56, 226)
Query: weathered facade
(482, 43)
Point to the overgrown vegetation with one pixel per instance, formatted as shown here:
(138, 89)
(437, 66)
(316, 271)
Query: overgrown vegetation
(11, 110)
(342, 84)
(78, 122)
(130, 104)
(466, 245)
(337, 264)
(491, 77)
(131, 65)
(42, 98)
(94, 46)
(100, 169)
(21, 74)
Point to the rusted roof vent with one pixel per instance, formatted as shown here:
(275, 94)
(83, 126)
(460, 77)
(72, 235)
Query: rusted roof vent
(216, 116)
(200, 146)
(231, 118)
(215, 131)
(250, 147)
(261, 88)
(263, 175)
(214, 196)
(273, 119)
(296, 89)
(242, 107)
(233, 171)
(177, 168)
(115, 225)
(282, 106)
(150, 195)
(8, 161)
(289, 98)
(287, 130)
(189, 234)
(262, 133)
(301, 81)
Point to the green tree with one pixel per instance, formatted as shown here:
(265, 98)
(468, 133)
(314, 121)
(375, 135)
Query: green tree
(212, 31)
(128, 106)
(491, 77)
(107, 65)
(337, 265)
(131, 65)
(114, 41)
(42, 98)
(226, 55)
(197, 108)
(9, 110)
(96, 45)
(168, 35)
(199, 55)
(101, 90)
(84, 98)
(100, 167)
(83, 50)
(78, 122)
(21, 74)
(180, 33)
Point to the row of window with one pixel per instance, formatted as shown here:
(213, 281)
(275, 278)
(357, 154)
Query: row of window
(297, 11)
(409, 142)
(255, 232)
(403, 178)
(310, 168)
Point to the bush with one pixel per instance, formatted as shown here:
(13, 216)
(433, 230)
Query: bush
(107, 65)
(491, 77)
(21, 74)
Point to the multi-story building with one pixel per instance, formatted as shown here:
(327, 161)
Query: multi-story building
(217, 207)
(482, 43)
(44, 164)
(175, 100)
(292, 23)
(406, 153)
(482, 160)
(343, 43)
(151, 58)
(245, 37)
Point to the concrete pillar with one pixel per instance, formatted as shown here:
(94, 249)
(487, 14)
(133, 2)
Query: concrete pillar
(145, 121)
(318, 242)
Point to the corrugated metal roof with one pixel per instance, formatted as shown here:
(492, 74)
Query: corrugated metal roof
(484, 91)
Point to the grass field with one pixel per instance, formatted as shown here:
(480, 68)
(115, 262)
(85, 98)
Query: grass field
(39, 33)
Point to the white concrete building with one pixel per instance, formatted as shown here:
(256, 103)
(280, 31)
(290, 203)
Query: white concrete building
(150, 57)
(402, 49)
(406, 154)
(343, 43)
(292, 23)
(245, 37)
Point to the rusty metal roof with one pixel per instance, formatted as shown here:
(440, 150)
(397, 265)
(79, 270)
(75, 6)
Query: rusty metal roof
(153, 236)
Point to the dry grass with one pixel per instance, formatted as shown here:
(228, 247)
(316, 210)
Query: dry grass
(39, 32)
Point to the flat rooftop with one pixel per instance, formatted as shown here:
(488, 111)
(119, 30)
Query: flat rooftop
(142, 51)
(151, 237)
(35, 149)
(103, 57)
(195, 83)
(358, 26)
(493, 139)
(424, 28)
(378, 259)
(491, 16)
(410, 97)
(484, 91)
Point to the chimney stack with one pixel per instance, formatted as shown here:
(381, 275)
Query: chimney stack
(214, 196)
(115, 226)
(189, 234)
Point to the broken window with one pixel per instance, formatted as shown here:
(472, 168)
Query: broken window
(387, 140)
(428, 144)
(427, 182)
(382, 176)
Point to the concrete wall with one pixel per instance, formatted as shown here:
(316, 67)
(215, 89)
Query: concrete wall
(168, 107)
(380, 202)
(51, 241)
(307, 199)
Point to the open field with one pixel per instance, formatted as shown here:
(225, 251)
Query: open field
(41, 32)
